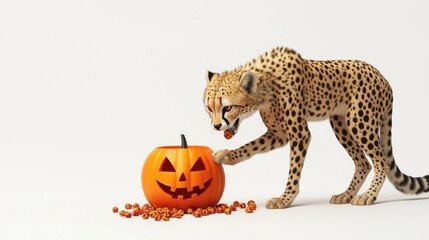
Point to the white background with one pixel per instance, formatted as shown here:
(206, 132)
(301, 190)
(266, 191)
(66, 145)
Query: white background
(89, 88)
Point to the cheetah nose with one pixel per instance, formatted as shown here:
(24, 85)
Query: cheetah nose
(217, 126)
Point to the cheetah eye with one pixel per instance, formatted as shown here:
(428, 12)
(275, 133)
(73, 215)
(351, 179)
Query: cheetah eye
(227, 108)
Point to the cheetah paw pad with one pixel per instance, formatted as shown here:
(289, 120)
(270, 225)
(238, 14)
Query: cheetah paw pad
(363, 200)
(277, 203)
(342, 198)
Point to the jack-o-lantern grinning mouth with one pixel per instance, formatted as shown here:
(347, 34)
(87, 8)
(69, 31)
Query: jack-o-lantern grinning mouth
(184, 191)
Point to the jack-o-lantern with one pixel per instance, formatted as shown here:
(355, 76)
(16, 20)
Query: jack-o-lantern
(182, 177)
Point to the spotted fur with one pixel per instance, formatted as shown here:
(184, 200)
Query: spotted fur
(288, 91)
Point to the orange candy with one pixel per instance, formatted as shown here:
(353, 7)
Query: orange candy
(145, 215)
(248, 210)
(211, 210)
(227, 211)
(205, 212)
(147, 211)
(165, 217)
(197, 214)
(158, 217)
(122, 213)
(136, 212)
(228, 134)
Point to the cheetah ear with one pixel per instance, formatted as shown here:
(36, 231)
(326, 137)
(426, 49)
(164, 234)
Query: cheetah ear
(248, 82)
(210, 75)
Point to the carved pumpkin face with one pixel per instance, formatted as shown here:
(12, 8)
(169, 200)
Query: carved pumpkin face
(182, 177)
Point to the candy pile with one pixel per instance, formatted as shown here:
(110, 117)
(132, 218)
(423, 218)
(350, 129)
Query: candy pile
(147, 211)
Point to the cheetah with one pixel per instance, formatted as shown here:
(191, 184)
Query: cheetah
(289, 91)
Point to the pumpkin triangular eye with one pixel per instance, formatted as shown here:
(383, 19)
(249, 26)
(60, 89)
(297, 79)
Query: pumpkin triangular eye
(198, 165)
(166, 166)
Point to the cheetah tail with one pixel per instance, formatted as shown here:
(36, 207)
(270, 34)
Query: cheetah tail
(401, 181)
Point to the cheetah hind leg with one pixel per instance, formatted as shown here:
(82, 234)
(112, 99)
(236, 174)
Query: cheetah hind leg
(362, 166)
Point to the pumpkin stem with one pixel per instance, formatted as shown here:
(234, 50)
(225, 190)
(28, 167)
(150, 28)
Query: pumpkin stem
(184, 143)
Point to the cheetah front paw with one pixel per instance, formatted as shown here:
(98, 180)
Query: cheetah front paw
(277, 203)
(223, 157)
(341, 198)
(363, 200)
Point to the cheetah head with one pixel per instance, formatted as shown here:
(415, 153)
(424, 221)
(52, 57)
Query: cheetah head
(229, 98)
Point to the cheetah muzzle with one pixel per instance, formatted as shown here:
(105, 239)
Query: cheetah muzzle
(230, 132)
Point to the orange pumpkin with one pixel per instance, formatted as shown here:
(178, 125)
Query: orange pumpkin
(182, 177)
